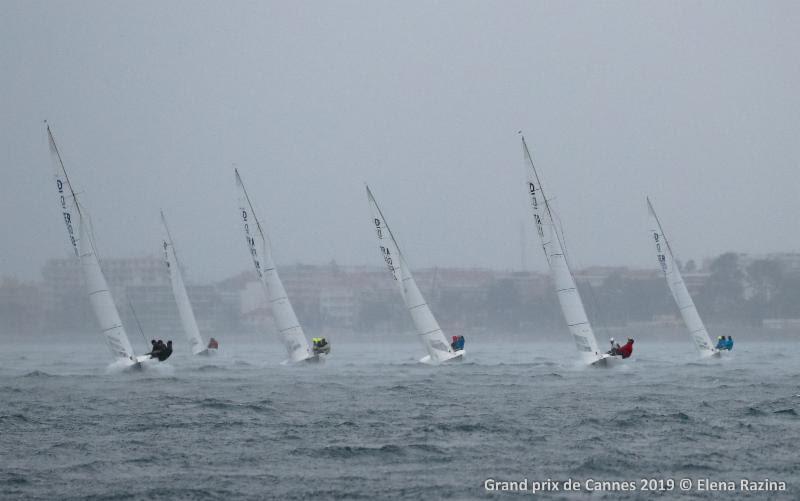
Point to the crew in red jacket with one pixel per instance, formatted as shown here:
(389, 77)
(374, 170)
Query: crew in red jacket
(627, 349)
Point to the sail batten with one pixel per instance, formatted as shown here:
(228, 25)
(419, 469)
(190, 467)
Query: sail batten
(677, 286)
(292, 335)
(566, 290)
(97, 290)
(185, 310)
(425, 323)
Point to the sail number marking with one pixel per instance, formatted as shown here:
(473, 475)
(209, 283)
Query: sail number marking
(662, 259)
(166, 254)
(67, 215)
(251, 243)
(535, 206)
(385, 252)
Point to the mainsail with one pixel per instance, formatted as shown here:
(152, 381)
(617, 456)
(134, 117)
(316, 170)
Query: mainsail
(261, 251)
(99, 295)
(677, 286)
(427, 327)
(568, 296)
(179, 291)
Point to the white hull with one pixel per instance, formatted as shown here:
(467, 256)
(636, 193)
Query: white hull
(607, 361)
(311, 359)
(133, 363)
(457, 356)
(207, 352)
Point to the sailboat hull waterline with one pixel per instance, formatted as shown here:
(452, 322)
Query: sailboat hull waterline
(137, 363)
(607, 360)
(457, 356)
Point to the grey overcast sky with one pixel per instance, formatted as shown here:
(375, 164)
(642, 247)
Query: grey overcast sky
(695, 103)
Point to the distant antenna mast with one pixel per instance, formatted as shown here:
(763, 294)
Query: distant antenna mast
(523, 251)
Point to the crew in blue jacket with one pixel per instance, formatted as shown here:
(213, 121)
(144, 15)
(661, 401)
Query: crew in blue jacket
(721, 343)
(729, 343)
(458, 343)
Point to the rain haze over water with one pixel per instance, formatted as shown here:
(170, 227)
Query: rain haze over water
(152, 105)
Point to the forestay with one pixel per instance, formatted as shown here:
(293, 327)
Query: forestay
(185, 310)
(99, 295)
(261, 252)
(425, 323)
(566, 290)
(677, 286)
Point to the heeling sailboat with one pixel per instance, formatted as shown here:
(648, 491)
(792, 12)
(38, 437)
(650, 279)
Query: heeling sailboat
(99, 294)
(666, 260)
(568, 296)
(185, 310)
(289, 329)
(431, 335)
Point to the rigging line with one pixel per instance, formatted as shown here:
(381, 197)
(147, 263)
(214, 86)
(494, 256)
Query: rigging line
(596, 308)
(137, 320)
(169, 237)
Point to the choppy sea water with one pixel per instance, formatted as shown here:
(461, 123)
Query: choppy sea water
(374, 424)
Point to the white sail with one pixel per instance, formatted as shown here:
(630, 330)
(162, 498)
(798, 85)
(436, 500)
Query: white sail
(666, 260)
(425, 323)
(99, 295)
(179, 291)
(568, 296)
(261, 251)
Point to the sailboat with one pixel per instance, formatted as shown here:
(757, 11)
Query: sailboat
(289, 329)
(185, 310)
(568, 296)
(666, 260)
(431, 335)
(78, 223)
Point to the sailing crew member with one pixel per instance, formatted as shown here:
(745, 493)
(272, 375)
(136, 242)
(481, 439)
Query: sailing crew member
(320, 345)
(729, 343)
(165, 352)
(157, 349)
(458, 343)
(153, 347)
(721, 343)
(626, 350)
(614, 347)
(213, 344)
